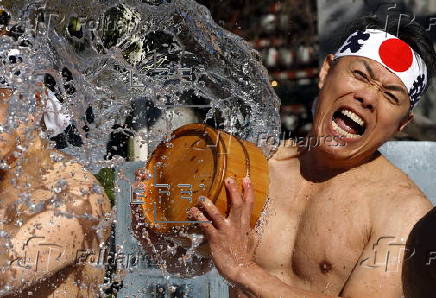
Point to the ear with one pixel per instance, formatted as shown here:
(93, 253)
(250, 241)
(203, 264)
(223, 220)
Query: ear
(326, 65)
(406, 121)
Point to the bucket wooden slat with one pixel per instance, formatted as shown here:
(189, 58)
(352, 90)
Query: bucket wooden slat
(193, 163)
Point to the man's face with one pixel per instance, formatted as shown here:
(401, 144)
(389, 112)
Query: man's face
(363, 103)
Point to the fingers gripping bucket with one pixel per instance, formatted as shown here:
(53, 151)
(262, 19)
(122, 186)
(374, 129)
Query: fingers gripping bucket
(194, 163)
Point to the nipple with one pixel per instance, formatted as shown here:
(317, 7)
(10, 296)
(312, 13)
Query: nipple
(325, 267)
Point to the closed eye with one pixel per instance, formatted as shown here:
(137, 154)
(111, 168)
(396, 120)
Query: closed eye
(392, 97)
(360, 75)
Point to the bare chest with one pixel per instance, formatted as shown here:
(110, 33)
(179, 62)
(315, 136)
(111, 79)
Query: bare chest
(312, 239)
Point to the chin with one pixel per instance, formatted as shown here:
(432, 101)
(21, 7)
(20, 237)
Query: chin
(343, 152)
(350, 155)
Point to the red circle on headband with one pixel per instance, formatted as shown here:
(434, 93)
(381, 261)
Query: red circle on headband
(396, 54)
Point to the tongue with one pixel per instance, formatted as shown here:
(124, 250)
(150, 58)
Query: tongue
(346, 124)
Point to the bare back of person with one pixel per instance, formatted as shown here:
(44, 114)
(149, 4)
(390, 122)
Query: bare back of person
(315, 232)
(73, 220)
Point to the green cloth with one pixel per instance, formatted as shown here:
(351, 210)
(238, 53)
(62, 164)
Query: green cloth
(106, 177)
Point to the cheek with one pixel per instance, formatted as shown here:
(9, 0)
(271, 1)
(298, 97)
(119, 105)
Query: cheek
(343, 80)
(388, 126)
(337, 86)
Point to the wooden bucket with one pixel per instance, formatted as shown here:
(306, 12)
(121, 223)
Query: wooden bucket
(193, 163)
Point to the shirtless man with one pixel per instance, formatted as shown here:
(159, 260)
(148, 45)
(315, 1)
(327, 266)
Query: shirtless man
(335, 213)
(50, 214)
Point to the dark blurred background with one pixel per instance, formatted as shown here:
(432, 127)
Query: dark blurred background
(293, 37)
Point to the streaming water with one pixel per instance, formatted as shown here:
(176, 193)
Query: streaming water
(130, 68)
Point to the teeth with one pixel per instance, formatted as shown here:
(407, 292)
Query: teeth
(353, 117)
(343, 132)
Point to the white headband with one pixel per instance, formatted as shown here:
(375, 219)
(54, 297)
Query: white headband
(393, 53)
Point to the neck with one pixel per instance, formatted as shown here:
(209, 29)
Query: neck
(317, 167)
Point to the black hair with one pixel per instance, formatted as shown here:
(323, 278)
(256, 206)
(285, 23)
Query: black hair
(405, 29)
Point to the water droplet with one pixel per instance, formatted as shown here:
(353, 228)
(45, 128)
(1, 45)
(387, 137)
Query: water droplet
(96, 188)
(4, 165)
(60, 186)
(4, 234)
(56, 157)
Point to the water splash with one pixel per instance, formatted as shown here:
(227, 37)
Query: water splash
(140, 67)
(165, 55)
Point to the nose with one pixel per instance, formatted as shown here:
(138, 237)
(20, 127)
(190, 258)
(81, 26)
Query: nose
(367, 96)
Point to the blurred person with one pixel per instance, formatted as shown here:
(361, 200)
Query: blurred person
(419, 266)
(52, 212)
(54, 120)
(335, 213)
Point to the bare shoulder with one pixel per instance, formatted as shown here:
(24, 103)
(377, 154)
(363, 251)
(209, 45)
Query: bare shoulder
(69, 170)
(396, 197)
(85, 193)
(285, 151)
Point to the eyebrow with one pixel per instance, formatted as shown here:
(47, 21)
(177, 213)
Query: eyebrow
(368, 69)
(390, 87)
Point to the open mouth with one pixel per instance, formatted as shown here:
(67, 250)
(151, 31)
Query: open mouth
(348, 124)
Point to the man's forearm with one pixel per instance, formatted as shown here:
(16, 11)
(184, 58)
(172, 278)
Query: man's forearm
(259, 283)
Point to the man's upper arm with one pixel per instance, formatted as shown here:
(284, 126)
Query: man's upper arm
(43, 246)
(55, 238)
(378, 271)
